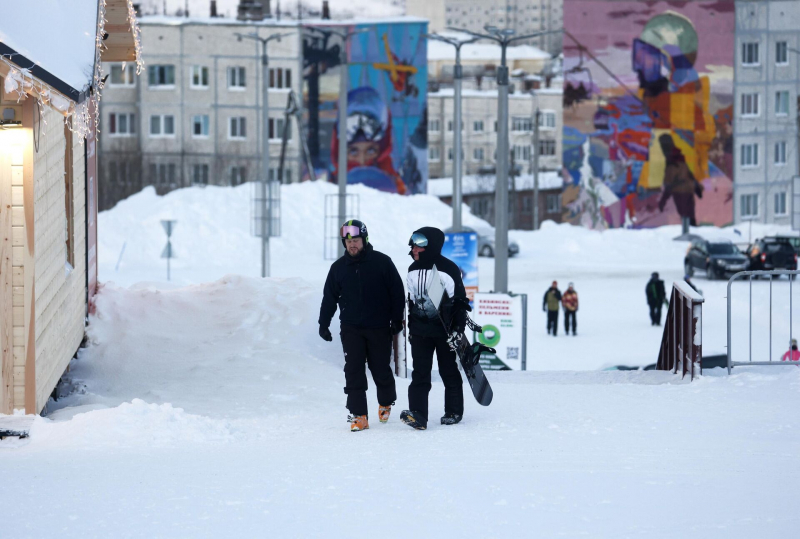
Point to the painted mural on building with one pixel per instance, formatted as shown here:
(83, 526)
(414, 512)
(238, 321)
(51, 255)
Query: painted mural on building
(648, 112)
(386, 112)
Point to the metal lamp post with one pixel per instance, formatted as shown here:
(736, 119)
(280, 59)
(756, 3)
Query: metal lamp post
(264, 229)
(535, 165)
(502, 37)
(457, 118)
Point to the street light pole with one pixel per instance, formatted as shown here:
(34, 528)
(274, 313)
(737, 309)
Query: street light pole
(535, 171)
(502, 37)
(458, 76)
(263, 186)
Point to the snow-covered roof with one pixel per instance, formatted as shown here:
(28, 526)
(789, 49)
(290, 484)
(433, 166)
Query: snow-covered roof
(478, 52)
(56, 35)
(470, 185)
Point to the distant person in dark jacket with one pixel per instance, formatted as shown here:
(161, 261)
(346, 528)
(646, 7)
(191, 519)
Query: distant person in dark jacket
(550, 303)
(570, 303)
(656, 297)
(368, 290)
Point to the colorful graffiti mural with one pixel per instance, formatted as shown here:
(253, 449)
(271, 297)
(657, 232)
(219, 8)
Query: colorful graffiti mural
(648, 112)
(387, 76)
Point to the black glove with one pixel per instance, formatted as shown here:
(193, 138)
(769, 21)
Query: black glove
(325, 333)
(396, 326)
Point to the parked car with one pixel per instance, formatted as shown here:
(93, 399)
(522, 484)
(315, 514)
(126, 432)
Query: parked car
(716, 258)
(486, 241)
(772, 253)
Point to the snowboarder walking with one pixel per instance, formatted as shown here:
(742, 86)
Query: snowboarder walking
(368, 290)
(570, 303)
(550, 303)
(655, 298)
(427, 335)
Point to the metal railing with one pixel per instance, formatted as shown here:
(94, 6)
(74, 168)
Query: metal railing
(791, 275)
(682, 341)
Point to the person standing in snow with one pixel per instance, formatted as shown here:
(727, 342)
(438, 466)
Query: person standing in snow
(550, 303)
(570, 303)
(792, 354)
(655, 298)
(427, 335)
(368, 290)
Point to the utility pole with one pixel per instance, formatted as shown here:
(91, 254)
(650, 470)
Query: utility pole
(535, 171)
(457, 118)
(502, 37)
(263, 230)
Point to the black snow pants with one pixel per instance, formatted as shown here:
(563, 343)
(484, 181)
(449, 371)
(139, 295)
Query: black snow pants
(422, 349)
(567, 316)
(655, 314)
(552, 322)
(373, 347)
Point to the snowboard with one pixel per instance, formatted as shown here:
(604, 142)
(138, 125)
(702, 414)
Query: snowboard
(468, 355)
(399, 353)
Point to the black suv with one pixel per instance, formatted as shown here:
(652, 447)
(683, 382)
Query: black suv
(772, 253)
(716, 258)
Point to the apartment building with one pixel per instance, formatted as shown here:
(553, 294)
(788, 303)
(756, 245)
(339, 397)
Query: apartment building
(523, 16)
(766, 82)
(479, 130)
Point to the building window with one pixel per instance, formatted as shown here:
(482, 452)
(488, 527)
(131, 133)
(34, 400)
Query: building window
(236, 78)
(162, 125)
(200, 126)
(274, 175)
(200, 174)
(750, 54)
(780, 203)
(434, 126)
(527, 204)
(237, 128)
(449, 154)
(163, 174)
(477, 154)
(122, 124)
(782, 103)
(547, 147)
(199, 77)
(780, 153)
(553, 203)
(749, 154)
(450, 125)
(238, 175)
(522, 153)
(547, 120)
(781, 53)
(123, 77)
(521, 123)
(749, 205)
(750, 104)
(280, 78)
(276, 126)
(434, 154)
(477, 126)
(162, 76)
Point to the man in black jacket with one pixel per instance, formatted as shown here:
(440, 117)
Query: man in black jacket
(427, 332)
(369, 293)
(655, 298)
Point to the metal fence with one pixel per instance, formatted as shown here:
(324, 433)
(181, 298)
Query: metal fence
(682, 341)
(750, 274)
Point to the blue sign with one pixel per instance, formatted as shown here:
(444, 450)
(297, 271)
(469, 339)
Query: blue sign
(462, 248)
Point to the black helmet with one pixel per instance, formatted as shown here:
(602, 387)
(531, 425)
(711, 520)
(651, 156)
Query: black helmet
(353, 229)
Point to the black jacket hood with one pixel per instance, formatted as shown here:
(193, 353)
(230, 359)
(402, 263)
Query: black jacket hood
(433, 249)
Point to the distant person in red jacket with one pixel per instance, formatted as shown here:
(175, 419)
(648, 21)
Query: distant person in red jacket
(793, 354)
(569, 300)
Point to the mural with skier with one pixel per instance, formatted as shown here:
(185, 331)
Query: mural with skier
(386, 103)
(648, 113)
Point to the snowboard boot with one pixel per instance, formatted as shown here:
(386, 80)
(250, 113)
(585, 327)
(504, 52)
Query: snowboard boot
(357, 422)
(383, 413)
(413, 420)
(451, 419)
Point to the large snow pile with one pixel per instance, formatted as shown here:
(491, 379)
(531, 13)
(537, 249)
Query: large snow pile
(214, 410)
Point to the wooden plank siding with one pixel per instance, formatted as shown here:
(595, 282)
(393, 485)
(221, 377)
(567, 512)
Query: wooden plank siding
(6, 286)
(25, 395)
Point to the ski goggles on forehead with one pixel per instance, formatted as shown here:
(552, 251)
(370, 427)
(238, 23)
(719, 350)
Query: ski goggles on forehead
(419, 240)
(351, 231)
(369, 127)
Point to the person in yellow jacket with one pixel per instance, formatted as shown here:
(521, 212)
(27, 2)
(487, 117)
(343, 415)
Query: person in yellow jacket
(570, 303)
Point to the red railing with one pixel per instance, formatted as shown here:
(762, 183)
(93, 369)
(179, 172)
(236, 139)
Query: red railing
(682, 343)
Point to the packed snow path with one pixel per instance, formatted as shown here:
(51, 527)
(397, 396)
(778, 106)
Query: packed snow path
(216, 411)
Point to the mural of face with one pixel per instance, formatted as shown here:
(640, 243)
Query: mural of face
(362, 154)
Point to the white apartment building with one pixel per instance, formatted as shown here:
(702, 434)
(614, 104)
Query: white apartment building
(479, 130)
(523, 16)
(194, 115)
(766, 83)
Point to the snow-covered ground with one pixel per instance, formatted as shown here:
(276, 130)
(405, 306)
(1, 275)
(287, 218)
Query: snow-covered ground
(209, 407)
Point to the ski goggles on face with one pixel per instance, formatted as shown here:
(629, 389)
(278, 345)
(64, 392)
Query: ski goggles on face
(419, 240)
(351, 231)
(369, 128)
